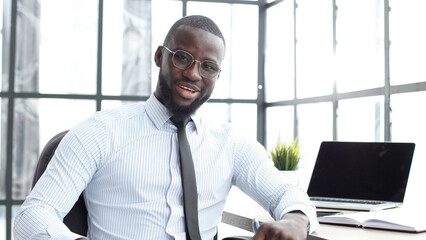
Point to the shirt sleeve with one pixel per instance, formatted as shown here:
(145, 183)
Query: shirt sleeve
(56, 230)
(66, 176)
(255, 174)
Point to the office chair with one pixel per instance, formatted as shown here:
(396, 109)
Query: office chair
(79, 210)
(76, 219)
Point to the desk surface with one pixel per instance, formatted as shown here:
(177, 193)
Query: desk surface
(240, 204)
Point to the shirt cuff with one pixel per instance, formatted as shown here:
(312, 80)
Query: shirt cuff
(313, 221)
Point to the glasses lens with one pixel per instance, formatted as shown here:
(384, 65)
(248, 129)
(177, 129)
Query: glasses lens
(182, 59)
(209, 69)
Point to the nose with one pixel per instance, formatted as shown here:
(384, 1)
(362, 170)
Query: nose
(193, 71)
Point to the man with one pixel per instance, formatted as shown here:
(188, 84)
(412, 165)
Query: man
(127, 160)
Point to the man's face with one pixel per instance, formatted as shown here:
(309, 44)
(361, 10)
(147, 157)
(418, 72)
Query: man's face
(184, 91)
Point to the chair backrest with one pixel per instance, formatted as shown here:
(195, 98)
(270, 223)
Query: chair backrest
(76, 219)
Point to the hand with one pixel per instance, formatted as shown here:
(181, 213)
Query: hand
(293, 226)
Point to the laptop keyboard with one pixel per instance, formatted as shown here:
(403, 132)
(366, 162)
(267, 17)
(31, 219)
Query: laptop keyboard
(346, 200)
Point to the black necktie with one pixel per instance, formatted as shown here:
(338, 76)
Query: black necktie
(190, 198)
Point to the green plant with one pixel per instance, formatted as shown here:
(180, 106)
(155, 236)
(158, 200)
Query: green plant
(285, 157)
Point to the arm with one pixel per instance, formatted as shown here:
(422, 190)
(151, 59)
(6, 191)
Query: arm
(288, 205)
(57, 190)
(36, 222)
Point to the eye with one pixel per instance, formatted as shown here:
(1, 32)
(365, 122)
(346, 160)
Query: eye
(210, 66)
(182, 57)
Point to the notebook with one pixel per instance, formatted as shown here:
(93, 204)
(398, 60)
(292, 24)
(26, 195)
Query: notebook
(361, 175)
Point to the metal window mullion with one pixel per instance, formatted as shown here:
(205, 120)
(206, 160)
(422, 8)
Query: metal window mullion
(295, 118)
(10, 120)
(99, 57)
(387, 89)
(261, 109)
(184, 7)
(335, 102)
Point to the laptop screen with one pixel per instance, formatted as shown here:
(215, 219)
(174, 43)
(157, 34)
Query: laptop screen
(362, 170)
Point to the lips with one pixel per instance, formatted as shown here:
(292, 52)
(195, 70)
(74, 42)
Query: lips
(188, 87)
(187, 90)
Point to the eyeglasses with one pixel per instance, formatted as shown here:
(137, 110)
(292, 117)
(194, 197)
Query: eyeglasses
(183, 60)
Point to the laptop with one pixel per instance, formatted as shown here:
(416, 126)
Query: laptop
(365, 176)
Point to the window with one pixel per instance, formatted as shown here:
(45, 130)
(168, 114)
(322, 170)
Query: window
(358, 76)
(76, 57)
(67, 48)
(239, 75)
(407, 51)
(279, 52)
(361, 119)
(314, 48)
(360, 45)
(314, 70)
(408, 126)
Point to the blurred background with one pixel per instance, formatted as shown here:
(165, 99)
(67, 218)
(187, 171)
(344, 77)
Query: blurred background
(315, 70)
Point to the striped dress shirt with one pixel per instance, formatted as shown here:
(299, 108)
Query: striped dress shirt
(126, 161)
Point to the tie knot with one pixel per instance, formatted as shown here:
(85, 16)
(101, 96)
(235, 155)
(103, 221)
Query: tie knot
(180, 121)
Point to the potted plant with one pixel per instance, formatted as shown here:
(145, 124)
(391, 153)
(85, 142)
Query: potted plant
(286, 158)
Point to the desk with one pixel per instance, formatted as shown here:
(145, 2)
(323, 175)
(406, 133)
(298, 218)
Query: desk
(246, 207)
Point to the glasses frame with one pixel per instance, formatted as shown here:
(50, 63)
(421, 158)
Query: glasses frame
(193, 60)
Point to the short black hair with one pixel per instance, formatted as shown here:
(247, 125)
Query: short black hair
(196, 21)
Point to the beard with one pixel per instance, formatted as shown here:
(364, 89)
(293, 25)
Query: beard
(171, 105)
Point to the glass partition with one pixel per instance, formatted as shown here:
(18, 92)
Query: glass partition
(279, 125)
(360, 45)
(361, 119)
(314, 48)
(241, 115)
(279, 52)
(408, 125)
(63, 50)
(238, 78)
(407, 32)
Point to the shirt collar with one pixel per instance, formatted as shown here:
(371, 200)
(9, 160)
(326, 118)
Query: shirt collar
(159, 114)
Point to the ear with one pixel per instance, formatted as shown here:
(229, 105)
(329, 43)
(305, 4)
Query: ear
(158, 56)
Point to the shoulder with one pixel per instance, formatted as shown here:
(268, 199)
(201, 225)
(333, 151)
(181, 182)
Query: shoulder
(225, 130)
(124, 112)
(110, 122)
